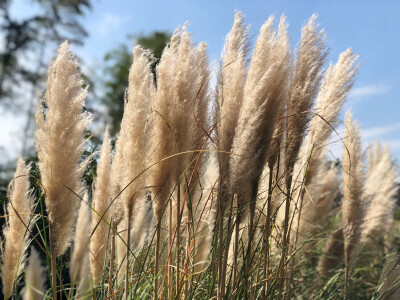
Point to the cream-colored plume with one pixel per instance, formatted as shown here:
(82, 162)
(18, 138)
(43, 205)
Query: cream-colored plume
(84, 290)
(264, 94)
(101, 216)
(121, 242)
(117, 167)
(60, 145)
(374, 156)
(165, 126)
(318, 199)
(335, 86)
(304, 85)
(230, 87)
(332, 254)
(35, 278)
(182, 93)
(135, 128)
(17, 230)
(381, 191)
(81, 240)
(353, 202)
(204, 216)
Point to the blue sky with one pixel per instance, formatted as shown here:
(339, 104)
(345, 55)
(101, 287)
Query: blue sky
(371, 28)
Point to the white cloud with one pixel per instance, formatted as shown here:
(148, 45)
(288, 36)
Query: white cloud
(368, 90)
(108, 23)
(386, 134)
(394, 144)
(379, 132)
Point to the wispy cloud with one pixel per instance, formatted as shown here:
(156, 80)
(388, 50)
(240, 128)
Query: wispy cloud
(386, 134)
(109, 23)
(369, 90)
(394, 144)
(380, 132)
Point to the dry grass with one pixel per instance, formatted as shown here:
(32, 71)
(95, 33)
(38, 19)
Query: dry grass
(231, 201)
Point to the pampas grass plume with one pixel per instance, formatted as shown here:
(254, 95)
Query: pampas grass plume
(332, 253)
(117, 167)
(135, 127)
(335, 86)
(81, 241)
(353, 203)
(230, 87)
(381, 186)
(34, 278)
(264, 95)
(59, 142)
(16, 231)
(304, 85)
(101, 216)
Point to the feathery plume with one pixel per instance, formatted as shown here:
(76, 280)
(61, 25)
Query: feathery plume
(205, 216)
(117, 167)
(34, 278)
(16, 231)
(353, 204)
(230, 87)
(60, 145)
(321, 192)
(374, 156)
(332, 254)
(81, 241)
(199, 122)
(101, 215)
(264, 94)
(135, 127)
(382, 188)
(335, 86)
(304, 85)
(121, 242)
(181, 105)
(84, 288)
(164, 125)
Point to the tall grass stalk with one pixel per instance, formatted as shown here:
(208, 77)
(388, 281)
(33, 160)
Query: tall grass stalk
(247, 206)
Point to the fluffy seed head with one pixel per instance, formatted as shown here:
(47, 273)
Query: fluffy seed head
(353, 203)
(135, 127)
(304, 85)
(16, 233)
(101, 217)
(35, 278)
(60, 145)
(231, 80)
(81, 241)
(182, 96)
(264, 95)
(381, 190)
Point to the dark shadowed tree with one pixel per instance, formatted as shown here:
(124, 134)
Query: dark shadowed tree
(52, 22)
(27, 44)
